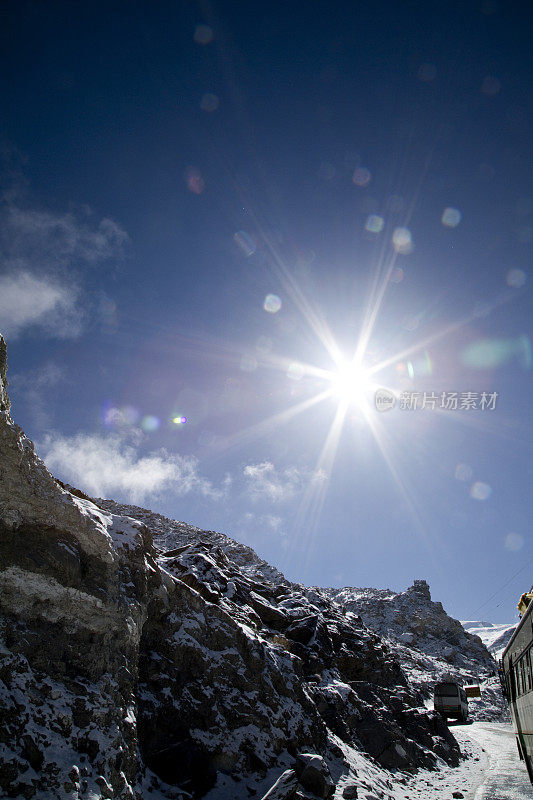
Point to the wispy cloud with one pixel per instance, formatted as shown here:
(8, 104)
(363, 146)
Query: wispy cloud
(27, 300)
(265, 482)
(106, 466)
(48, 238)
(271, 521)
(43, 257)
(35, 385)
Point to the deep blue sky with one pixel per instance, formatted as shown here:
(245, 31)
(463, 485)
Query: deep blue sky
(168, 167)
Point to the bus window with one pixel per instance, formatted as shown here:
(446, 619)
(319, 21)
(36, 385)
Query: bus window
(446, 690)
(512, 683)
(517, 680)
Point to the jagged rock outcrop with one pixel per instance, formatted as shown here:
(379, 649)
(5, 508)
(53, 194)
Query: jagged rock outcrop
(413, 618)
(140, 655)
(430, 645)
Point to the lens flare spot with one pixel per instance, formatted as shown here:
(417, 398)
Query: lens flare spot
(402, 241)
(179, 420)
(374, 223)
(194, 180)
(514, 542)
(463, 472)
(492, 353)
(149, 424)
(203, 34)
(516, 278)
(480, 491)
(451, 217)
(361, 176)
(272, 303)
(245, 242)
(209, 102)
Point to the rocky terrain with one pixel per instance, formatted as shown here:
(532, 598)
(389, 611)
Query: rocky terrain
(430, 645)
(143, 657)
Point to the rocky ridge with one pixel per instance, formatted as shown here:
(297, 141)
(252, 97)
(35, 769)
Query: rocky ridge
(140, 656)
(430, 645)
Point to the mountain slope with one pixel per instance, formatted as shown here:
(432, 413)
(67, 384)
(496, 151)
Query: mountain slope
(430, 645)
(142, 655)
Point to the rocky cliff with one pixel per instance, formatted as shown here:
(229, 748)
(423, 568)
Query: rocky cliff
(430, 645)
(144, 657)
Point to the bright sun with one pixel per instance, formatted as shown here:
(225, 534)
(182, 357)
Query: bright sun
(351, 383)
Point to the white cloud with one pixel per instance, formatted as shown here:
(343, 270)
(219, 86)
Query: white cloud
(60, 239)
(105, 465)
(266, 482)
(262, 521)
(272, 521)
(514, 542)
(39, 380)
(27, 300)
(42, 257)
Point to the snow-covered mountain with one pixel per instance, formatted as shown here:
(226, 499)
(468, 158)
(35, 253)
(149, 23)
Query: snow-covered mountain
(141, 656)
(430, 645)
(495, 636)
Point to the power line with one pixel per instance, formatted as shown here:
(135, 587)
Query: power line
(522, 568)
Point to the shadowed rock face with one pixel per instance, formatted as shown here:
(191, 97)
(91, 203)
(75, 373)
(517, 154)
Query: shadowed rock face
(141, 654)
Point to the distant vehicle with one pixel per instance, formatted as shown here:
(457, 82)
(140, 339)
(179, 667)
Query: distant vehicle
(450, 701)
(516, 676)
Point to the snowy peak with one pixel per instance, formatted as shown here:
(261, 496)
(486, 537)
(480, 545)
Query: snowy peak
(495, 636)
(412, 618)
(430, 645)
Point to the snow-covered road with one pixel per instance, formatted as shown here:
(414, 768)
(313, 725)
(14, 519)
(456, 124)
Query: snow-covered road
(493, 770)
(506, 777)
